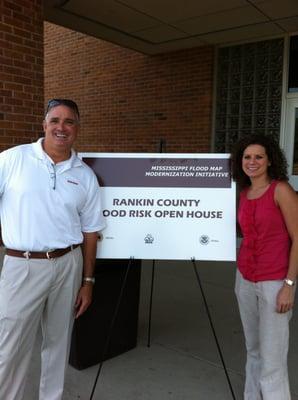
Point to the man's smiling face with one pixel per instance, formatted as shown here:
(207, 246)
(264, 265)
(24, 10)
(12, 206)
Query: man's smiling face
(61, 127)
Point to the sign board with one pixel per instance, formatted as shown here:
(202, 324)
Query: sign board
(166, 206)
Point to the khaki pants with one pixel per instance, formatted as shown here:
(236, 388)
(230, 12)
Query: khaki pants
(267, 340)
(32, 292)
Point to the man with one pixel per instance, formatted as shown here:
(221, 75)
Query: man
(49, 206)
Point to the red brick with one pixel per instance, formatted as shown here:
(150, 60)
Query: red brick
(23, 33)
(129, 101)
(13, 86)
(21, 94)
(12, 6)
(5, 124)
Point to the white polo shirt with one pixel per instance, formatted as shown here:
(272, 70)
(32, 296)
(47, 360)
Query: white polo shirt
(44, 205)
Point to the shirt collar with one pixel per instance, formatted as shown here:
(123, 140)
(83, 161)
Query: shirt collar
(73, 161)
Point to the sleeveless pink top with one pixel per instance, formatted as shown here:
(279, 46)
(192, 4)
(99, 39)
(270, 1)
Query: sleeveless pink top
(264, 250)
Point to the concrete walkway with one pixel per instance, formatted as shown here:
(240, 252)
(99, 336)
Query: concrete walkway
(182, 362)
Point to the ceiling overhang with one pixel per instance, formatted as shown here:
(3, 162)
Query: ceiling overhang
(158, 26)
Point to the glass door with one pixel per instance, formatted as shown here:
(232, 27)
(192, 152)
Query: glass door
(291, 140)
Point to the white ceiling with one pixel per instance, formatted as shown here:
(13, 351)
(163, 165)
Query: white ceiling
(157, 26)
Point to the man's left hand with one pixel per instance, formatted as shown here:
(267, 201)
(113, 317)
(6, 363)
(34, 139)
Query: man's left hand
(84, 299)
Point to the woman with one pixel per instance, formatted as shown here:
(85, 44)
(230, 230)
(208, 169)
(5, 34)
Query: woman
(267, 263)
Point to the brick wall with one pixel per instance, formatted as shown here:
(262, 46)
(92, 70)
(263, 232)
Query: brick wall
(129, 101)
(21, 71)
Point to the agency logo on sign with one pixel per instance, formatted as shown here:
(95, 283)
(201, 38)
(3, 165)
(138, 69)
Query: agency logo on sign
(149, 239)
(204, 239)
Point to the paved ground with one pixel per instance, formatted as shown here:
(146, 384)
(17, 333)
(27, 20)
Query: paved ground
(182, 362)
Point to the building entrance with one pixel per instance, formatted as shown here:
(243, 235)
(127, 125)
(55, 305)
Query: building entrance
(291, 140)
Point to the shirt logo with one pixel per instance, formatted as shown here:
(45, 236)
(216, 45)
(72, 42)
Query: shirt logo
(73, 182)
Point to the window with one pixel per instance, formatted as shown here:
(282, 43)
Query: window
(249, 91)
(293, 65)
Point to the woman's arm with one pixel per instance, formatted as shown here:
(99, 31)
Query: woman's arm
(287, 200)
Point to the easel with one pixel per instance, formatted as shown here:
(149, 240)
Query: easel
(193, 261)
(115, 314)
(110, 331)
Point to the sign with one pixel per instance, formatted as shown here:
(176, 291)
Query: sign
(166, 206)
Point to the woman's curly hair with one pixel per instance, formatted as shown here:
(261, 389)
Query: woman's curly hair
(278, 168)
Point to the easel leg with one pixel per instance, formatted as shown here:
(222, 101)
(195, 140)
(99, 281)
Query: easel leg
(107, 343)
(212, 327)
(150, 304)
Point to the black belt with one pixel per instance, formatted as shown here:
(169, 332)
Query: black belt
(39, 254)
